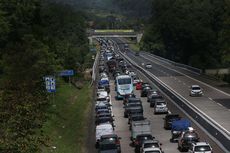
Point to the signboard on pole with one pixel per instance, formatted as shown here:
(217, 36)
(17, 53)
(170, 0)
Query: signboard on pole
(50, 84)
(66, 73)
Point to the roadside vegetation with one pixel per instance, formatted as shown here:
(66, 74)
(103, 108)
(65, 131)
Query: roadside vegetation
(67, 123)
(37, 38)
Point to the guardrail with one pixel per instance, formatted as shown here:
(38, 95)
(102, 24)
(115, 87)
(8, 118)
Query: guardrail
(193, 69)
(213, 128)
(94, 68)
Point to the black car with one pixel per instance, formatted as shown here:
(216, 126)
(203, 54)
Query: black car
(186, 140)
(145, 90)
(132, 100)
(108, 146)
(126, 97)
(101, 120)
(153, 98)
(136, 117)
(137, 54)
(135, 111)
(113, 140)
(145, 85)
(132, 106)
(140, 139)
(169, 118)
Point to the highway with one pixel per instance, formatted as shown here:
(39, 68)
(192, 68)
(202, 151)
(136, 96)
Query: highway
(176, 79)
(173, 76)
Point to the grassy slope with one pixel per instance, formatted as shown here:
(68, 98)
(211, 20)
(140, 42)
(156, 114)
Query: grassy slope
(67, 126)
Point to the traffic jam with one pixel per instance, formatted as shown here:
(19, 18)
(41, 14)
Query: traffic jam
(113, 68)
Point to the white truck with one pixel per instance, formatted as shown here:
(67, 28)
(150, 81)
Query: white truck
(140, 127)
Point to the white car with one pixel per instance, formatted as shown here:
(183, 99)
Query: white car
(151, 144)
(196, 90)
(151, 150)
(160, 106)
(200, 147)
(148, 66)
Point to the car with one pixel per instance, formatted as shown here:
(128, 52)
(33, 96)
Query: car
(169, 118)
(136, 80)
(148, 66)
(113, 138)
(126, 97)
(160, 106)
(133, 100)
(101, 120)
(131, 106)
(150, 93)
(187, 138)
(152, 98)
(135, 117)
(144, 84)
(145, 90)
(139, 85)
(108, 146)
(152, 150)
(200, 147)
(137, 53)
(140, 140)
(151, 144)
(195, 91)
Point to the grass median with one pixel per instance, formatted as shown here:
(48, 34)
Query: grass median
(67, 124)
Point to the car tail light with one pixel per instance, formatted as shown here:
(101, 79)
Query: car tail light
(117, 142)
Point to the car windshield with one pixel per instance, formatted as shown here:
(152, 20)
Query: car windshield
(150, 145)
(190, 136)
(134, 104)
(108, 146)
(202, 148)
(153, 151)
(138, 118)
(124, 81)
(195, 88)
(161, 103)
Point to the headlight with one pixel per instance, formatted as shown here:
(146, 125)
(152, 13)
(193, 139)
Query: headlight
(174, 132)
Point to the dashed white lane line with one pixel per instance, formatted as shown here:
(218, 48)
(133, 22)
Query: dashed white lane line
(210, 98)
(219, 104)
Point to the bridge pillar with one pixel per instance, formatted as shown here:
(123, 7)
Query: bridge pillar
(90, 40)
(139, 36)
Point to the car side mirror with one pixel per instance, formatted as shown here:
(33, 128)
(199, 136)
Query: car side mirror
(160, 144)
(119, 138)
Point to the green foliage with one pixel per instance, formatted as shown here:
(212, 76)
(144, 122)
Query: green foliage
(191, 32)
(37, 38)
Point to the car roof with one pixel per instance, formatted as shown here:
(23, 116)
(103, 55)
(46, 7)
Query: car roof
(152, 149)
(195, 86)
(201, 143)
(151, 141)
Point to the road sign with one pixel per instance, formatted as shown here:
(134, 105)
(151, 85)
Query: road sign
(50, 84)
(66, 73)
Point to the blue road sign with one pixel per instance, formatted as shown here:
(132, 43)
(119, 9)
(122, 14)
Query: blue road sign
(66, 73)
(50, 84)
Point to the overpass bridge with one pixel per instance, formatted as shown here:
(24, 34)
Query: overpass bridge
(117, 33)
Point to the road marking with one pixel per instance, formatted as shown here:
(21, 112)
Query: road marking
(210, 98)
(219, 104)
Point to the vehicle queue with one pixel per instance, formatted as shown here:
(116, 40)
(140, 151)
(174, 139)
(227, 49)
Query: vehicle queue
(113, 66)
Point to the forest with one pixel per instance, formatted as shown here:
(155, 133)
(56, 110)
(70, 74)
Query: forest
(193, 32)
(37, 38)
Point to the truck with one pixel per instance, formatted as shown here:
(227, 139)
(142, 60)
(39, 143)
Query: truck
(140, 127)
(178, 127)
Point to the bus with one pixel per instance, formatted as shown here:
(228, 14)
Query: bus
(124, 86)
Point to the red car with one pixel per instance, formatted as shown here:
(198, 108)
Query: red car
(139, 86)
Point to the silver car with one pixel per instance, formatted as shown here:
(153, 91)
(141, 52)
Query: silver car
(196, 91)
(148, 66)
